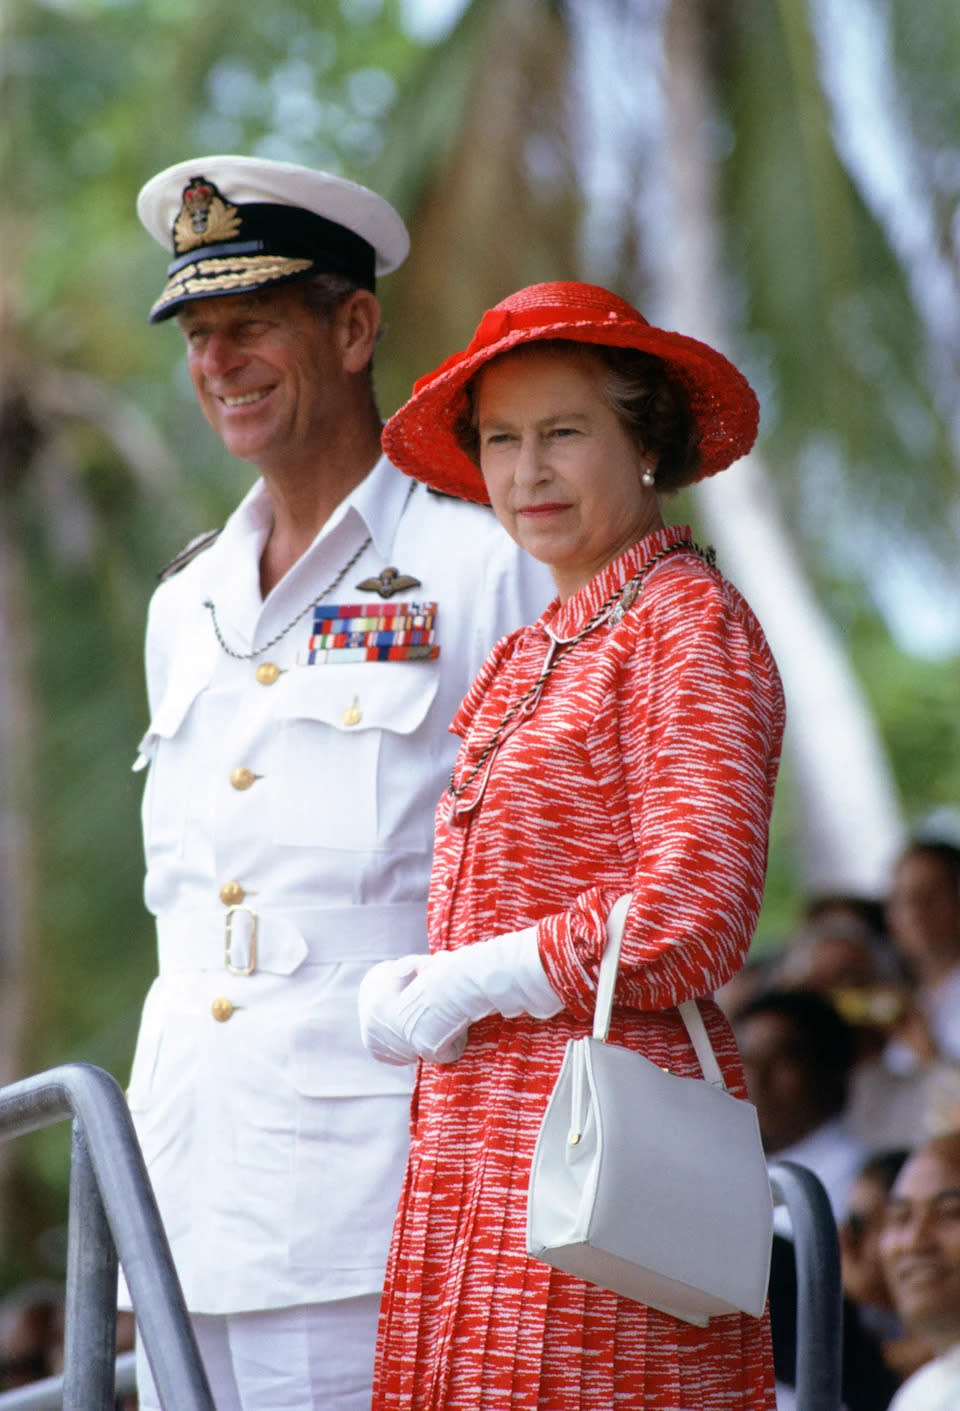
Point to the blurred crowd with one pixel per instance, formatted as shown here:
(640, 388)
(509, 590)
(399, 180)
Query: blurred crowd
(32, 1332)
(850, 1036)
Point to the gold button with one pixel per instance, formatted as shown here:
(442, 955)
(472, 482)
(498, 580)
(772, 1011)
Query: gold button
(242, 777)
(353, 714)
(232, 894)
(267, 673)
(221, 1009)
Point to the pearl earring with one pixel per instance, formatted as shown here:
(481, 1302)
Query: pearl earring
(647, 478)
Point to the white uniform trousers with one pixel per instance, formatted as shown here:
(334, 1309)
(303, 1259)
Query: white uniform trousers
(316, 1355)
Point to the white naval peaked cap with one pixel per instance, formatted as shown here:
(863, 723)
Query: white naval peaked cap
(236, 224)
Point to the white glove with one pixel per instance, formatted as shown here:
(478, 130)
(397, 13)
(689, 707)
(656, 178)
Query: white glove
(376, 999)
(423, 1005)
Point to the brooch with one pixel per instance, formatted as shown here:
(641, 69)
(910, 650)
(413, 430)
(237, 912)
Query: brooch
(627, 599)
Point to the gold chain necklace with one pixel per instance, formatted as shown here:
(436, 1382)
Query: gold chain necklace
(627, 593)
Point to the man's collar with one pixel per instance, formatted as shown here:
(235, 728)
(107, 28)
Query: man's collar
(379, 499)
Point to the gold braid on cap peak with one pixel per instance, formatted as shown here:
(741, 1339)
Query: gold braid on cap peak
(193, 281)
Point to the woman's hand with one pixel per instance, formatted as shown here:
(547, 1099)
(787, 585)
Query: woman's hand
(422, 1005)
(384, 1021)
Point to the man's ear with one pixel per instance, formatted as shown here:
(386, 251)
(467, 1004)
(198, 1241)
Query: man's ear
(357, 323)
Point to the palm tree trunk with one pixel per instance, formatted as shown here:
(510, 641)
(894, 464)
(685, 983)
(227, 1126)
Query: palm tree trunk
(17, 891)
(850, 825)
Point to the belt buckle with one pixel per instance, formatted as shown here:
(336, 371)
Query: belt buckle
(228, 943)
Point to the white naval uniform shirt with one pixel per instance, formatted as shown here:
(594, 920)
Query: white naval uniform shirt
(275, 1144)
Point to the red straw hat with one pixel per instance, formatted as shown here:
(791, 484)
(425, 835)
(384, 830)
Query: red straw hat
(420, 438)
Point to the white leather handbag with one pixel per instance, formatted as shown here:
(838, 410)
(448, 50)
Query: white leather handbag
(649, 1184)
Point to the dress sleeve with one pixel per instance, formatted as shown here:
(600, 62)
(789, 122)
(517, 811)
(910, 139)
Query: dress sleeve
(685, 749)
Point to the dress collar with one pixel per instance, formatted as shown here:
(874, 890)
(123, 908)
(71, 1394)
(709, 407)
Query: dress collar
(561, 621)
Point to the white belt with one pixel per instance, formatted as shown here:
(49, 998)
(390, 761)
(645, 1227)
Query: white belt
(242, 940)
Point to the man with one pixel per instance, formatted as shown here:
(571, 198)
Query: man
(920, 1249)
(303, 667)
(923, 916)
(798, 1054)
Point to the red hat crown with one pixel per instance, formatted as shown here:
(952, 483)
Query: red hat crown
(563, 302)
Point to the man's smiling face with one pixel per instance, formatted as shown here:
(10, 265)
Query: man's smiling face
(266, 369)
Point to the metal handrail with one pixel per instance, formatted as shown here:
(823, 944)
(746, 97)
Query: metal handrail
(819, 1296)
(113, 1213)
(47, 1395)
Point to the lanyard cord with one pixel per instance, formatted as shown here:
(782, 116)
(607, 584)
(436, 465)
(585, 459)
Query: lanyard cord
(259, 651)
(627, 595)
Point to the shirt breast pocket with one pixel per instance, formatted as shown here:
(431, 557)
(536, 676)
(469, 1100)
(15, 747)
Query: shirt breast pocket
(335, 750)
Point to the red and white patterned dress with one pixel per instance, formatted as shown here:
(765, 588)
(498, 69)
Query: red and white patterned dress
(646, 764)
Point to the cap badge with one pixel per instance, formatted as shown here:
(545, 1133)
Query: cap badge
(205, 218)
(388, 582)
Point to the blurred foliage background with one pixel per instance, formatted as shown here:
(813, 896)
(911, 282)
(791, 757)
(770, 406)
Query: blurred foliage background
(802, 156)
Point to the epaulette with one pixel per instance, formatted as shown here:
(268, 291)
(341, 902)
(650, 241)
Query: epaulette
(187, 555)
(460, 499)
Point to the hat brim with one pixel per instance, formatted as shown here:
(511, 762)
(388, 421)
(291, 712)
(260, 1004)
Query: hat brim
(421, 437)
(208, 277)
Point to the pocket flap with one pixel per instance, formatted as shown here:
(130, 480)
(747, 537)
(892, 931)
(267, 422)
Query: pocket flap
(389, 695)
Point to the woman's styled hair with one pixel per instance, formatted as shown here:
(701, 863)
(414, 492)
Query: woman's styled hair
(652, 407)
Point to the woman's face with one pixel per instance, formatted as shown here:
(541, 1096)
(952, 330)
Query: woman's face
(561, 470)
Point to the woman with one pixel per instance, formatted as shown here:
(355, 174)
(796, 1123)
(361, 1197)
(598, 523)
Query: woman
(628, 741)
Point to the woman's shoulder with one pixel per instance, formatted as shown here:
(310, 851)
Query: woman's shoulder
(689, 612)
(693, 591)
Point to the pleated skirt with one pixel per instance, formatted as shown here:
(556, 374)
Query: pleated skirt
(470, 1323)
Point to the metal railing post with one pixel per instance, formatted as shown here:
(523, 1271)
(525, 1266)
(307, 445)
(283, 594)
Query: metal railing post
(819, 1297)
(90, 1346)
(117, 1170)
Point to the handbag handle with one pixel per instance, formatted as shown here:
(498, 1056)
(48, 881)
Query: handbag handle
(688, 1009)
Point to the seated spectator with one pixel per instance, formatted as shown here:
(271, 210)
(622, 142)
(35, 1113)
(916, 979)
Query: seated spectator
(798, 1054)
(920, 1249)
(868, 1303)
(752, 979)
(869, 1376)
(31, 1335)
(923, 918)
(833, 906)
(899, 1086)
(864, 1280)
(836, 951)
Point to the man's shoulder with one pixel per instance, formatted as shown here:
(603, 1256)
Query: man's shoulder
(451, 526)
(436, 502)
(188, 553)
(464, 524)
